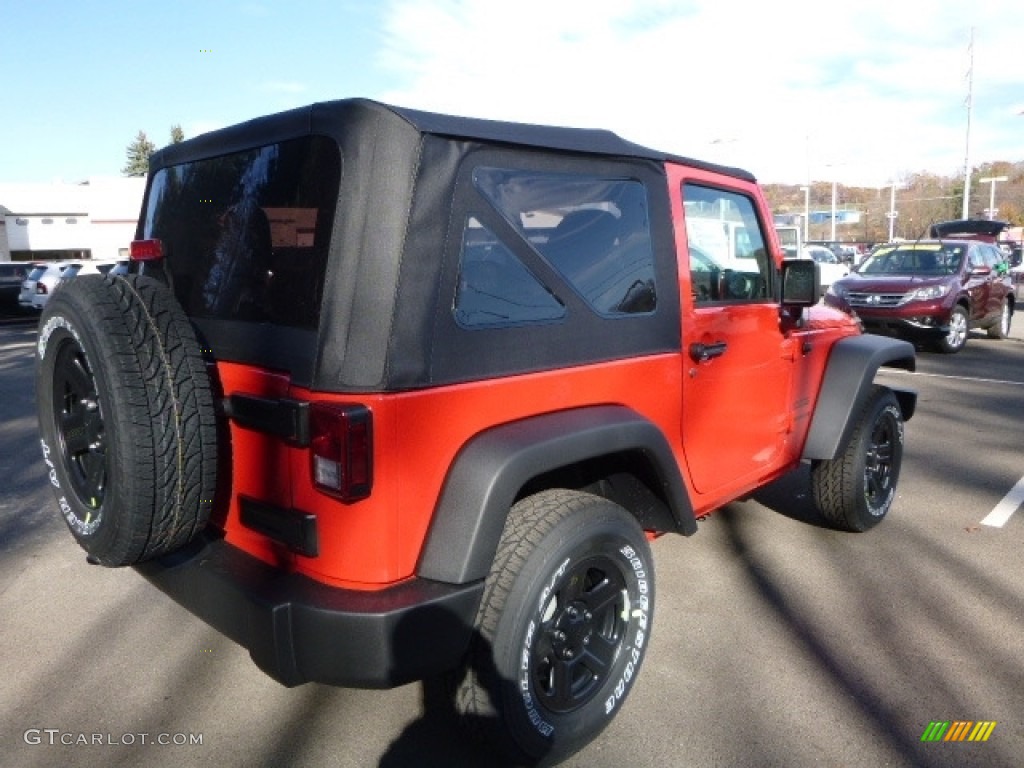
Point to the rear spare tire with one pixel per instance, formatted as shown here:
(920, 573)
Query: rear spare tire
(126, 417)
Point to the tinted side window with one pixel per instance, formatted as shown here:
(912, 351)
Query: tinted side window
(993, 256)
(495, 287)
(246, 235)
(594, 231)
(975, 258)
(728, 257)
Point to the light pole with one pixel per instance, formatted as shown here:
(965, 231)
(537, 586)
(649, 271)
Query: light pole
(833, 210)
(967, 150)
(891, 215)
(992, 193)
(807, 210)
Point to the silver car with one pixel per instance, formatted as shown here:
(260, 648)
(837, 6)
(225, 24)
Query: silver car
(45, 278)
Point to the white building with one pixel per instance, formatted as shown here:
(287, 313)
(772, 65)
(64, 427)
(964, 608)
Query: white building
(93, 219)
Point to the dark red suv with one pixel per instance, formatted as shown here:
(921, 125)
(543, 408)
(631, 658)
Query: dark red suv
(930, 290)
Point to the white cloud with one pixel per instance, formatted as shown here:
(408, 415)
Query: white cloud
(788, 89)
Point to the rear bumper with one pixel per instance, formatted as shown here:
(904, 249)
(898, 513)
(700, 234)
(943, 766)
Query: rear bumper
(298, 630)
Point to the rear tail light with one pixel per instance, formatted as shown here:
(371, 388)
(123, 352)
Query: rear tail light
(341, 450)
(40, 287)
(146, 250)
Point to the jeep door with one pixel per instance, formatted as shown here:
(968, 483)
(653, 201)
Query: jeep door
(736, 367)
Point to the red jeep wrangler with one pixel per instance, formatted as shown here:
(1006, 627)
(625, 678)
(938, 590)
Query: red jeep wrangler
(391, 395)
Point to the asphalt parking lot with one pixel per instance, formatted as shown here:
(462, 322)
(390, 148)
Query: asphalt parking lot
(776, 642)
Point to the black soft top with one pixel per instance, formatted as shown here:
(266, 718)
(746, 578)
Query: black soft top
(385, 319)
(338, 118)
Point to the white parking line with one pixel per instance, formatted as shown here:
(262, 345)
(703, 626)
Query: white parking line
(953, 378)
(1004, 509)
(14, 347)
(1012, 501)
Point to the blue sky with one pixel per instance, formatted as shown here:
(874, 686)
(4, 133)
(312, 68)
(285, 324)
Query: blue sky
(792, 90)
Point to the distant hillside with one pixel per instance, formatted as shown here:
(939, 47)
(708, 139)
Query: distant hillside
(921, 199)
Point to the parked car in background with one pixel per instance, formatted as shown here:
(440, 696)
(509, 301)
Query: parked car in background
(119, 267)
(12, 275)
(41, 282)
(46, 277)
(930, 290)
(1017, 277)
(829, 266)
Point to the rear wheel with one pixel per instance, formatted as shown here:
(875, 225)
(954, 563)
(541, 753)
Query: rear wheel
(855, 490)
(1001, 329)
(562, 628)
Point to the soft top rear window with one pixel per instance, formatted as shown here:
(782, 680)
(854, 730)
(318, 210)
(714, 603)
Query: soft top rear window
(246, 235)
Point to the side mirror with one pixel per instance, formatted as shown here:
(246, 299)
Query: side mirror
(801, 282)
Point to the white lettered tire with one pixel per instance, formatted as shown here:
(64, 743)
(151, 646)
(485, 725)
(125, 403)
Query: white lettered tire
(563, 626)
(126, 417)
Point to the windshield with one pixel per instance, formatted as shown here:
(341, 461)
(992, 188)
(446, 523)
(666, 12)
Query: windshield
(914, 259)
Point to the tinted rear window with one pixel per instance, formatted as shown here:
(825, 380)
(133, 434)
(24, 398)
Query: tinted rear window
(246, 235)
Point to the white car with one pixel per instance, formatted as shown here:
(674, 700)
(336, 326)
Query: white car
(1017, 278)
(829, 265)
(45, 278)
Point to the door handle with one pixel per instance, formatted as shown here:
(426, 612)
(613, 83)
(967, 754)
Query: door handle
(701, 353)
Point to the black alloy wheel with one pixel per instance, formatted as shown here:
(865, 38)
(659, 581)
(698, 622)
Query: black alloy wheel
(80, 431)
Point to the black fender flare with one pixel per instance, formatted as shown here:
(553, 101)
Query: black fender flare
(849, 374)
(492, 467)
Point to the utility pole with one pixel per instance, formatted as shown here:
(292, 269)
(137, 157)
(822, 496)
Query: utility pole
(967, 151)
(891, 215)
(807, 210)
(833, 209)
(992, 193)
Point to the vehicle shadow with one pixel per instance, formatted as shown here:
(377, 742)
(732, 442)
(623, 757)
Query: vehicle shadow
(879, 597)
(790, 496)
(452, 731)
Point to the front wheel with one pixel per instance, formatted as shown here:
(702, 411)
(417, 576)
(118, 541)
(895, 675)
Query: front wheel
(956, 336)
(855, 490)
(562, 628)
